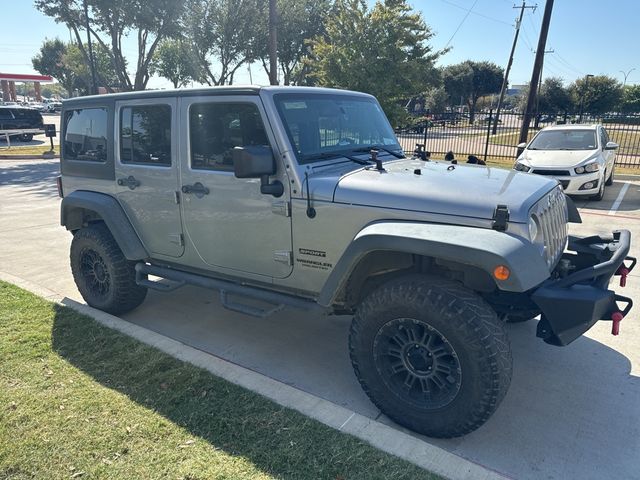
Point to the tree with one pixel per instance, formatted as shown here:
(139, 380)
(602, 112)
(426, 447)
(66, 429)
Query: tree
(436, 99)
(553, 97)
(174, 61)
(469, 80)
(222, 33)
(298, 22)
(66, 63)
(597, 95)
(150, 21)
(382, 51)
(631, 99)
(50, 61)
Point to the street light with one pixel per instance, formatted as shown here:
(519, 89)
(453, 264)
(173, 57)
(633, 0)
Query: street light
(625, 76)
(584, 90)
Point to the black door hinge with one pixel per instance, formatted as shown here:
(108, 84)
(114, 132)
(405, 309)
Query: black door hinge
(500, 218)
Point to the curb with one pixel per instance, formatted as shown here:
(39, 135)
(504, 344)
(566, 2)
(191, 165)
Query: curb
(627, 176)
(381, 436)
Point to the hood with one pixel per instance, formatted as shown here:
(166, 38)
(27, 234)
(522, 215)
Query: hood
(466, 190)
(556, 158)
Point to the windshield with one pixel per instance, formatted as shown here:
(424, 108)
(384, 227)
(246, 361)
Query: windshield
(319, 125)
(564, 140)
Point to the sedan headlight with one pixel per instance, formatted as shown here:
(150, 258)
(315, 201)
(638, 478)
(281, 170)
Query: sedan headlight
(588, 168)
(521, 167)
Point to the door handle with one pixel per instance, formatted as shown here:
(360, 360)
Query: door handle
(197, 189)
(129, 181)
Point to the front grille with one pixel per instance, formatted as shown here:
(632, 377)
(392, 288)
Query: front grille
(555, 173)
(552, 216)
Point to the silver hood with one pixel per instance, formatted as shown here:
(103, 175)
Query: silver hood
(465, 190)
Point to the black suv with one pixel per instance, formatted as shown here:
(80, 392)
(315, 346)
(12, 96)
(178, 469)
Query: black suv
(20, 118)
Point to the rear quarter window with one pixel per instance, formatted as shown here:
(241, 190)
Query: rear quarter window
(85, 135)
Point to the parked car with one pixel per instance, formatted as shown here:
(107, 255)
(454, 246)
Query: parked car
(303, 197)
(581, 157)
(21, 118)
(53, 106)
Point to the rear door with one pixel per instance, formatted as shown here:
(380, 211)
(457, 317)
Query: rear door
(147, 172)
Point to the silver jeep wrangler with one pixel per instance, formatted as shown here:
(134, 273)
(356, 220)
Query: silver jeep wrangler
(303, 197)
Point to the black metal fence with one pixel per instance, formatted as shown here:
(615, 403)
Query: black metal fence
(456, 132)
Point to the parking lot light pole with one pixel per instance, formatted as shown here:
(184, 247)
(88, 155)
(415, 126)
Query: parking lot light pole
(625, 76)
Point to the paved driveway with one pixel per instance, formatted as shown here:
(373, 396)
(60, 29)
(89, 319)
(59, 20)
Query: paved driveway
(571, 413)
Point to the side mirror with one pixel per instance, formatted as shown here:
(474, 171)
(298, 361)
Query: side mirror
(257, 162)
(611, 146)
(522, 145)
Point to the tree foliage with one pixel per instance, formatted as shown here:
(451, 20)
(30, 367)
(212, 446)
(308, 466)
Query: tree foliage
(631, 99)
(298, 21)
(596, 95)
(66, 63)
(174, 61)
(382, 51)
(553, 97)
(221, 34)
(149, 21)
(469, 80)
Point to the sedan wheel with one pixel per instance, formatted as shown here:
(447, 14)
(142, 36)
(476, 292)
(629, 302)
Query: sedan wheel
(600, 195)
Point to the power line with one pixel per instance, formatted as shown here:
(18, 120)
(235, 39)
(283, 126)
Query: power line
(476, 13)
(461, 22)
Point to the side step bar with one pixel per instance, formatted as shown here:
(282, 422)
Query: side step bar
(177, 279)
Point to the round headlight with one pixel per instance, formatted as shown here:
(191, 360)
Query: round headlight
(580, 170)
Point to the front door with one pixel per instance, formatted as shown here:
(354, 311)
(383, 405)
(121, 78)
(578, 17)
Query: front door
(230, 224)
(147, 172)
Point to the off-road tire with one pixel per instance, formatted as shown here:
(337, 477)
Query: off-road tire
(609, 181)
(105, 278)
(466, 323)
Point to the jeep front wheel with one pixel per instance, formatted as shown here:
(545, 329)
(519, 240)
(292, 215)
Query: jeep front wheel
(103, 275)
(431, 354)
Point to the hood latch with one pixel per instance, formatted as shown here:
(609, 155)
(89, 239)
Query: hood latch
(500, 218)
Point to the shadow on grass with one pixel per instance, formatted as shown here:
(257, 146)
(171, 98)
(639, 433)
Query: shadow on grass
(277, 440)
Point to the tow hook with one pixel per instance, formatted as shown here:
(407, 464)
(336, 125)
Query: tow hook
(623, 272)
(616, 318)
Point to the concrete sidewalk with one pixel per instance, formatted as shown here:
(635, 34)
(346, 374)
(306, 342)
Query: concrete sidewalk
(571, 412)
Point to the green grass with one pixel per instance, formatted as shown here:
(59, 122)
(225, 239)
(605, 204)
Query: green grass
(28, 150)
(79, 400)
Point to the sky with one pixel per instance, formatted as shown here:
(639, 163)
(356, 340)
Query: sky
(586, 36)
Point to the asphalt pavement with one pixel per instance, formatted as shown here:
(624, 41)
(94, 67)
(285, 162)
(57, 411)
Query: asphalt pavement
(571, 413)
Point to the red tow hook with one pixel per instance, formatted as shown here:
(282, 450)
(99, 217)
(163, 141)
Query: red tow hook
(616, 318)
(623, 272)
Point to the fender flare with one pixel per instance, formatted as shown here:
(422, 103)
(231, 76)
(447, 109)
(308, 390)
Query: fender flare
(478, 247)
(110, 211)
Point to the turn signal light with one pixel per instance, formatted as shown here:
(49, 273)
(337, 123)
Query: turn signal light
(501, 272)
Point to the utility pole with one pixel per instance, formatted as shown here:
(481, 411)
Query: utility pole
(505, 81)
(273, 44)
(585, 90)
(92, 63)
(535, 75)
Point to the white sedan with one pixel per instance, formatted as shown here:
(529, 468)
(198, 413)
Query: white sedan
(580, 157)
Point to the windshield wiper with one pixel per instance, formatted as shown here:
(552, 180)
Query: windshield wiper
(379, 147)
(328, 155)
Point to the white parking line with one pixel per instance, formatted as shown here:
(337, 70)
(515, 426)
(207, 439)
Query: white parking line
(616, 204)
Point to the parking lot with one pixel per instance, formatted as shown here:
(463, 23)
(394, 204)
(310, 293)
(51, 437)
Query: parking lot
(571, 413)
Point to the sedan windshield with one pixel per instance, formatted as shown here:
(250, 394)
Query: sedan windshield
(319, 125)
(579, 139)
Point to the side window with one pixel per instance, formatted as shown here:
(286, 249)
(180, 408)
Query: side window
(85, 136)
(145, 134)
(216, 128)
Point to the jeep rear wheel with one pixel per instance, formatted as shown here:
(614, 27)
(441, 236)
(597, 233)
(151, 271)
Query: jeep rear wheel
(104, 277)
(431, 355)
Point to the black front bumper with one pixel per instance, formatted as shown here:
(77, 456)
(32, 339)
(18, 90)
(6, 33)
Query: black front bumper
(578, 296)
